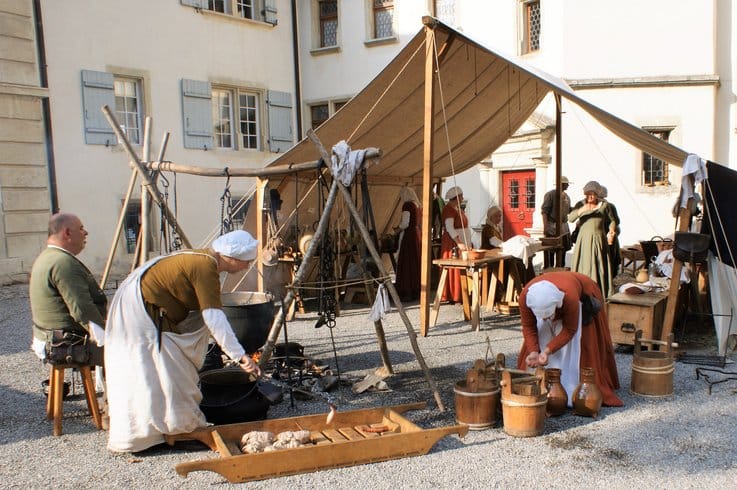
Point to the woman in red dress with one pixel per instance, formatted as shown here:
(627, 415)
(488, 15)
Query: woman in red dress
(550, 311)
(456, 235)
(410, 248)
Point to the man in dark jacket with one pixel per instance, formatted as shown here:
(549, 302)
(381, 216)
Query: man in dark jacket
(64, 294)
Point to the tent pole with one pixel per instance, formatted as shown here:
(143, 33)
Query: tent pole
(559, 252)
(145, 200)
(427, 178)
(260, 231)
(382, 270)
(684, 219)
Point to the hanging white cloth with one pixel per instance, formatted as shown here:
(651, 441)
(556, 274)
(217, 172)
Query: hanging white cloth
(152, 388)
(568, 358)
(692, 166)
(381, 306)
(345, 162)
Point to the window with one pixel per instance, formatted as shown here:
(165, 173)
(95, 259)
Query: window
(445, 11)
(531, 26)
(132, 225)
(128, 107)
(328, 14)
(654, 170)
(383, 18)
(244, 134)
(514, 193)
(260, 10)
(320, 113)
(530, 193)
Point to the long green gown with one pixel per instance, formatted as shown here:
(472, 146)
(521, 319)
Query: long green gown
(591, 252)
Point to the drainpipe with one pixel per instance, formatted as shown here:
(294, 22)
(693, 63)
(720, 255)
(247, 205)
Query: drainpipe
(297, 81)
(45, 107)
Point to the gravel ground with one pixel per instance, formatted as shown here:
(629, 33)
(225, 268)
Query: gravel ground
(687, 440)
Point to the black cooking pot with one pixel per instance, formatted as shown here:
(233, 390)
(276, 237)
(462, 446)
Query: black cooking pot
(229, 396)
(251, 315)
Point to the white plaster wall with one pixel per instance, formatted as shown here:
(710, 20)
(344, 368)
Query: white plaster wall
(162, 42)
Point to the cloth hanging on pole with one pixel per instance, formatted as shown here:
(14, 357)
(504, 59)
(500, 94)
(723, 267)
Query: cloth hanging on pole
(381, 306)
(345, 162)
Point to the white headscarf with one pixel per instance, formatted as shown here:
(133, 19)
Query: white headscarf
(491, 212)
(408, 194)
(237, 244)
(543, 298)
(592, 186)
(453, 192)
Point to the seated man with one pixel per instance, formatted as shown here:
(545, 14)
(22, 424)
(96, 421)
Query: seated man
(64, 294)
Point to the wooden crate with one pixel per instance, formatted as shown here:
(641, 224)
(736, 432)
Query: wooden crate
(631, 312)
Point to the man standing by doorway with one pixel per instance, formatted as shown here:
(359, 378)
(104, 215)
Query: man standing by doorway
(550, 223)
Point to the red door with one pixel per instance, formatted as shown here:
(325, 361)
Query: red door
(518, 201)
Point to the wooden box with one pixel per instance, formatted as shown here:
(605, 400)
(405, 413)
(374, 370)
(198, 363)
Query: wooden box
(631, 312)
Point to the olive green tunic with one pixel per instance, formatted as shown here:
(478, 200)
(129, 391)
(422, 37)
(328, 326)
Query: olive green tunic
(591, 252)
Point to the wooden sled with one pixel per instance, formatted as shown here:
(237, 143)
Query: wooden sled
(350, 439)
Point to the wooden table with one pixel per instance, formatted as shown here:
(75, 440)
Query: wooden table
(478, 269)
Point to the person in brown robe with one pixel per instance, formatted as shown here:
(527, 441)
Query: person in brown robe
(550, 312)
(456, 234)
(410, 246)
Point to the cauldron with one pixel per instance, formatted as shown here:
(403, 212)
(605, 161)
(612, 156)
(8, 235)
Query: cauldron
(251, 315)
(229, 396)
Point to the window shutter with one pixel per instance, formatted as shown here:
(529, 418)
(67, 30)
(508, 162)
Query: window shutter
(97, 90)
(197, 114)
(270, 12)
(280, 120)
(200, 4)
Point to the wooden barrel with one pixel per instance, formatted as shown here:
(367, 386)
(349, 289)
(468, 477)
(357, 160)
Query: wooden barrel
(524, 414)
(652, 371)
(476, 409)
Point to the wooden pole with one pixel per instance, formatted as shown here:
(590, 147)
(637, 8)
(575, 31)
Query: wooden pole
(277, 170)
(260, 231)
(145, 200)
(299, 275)
(427, 178)
(118, 230)
(144, 174)
(559, 253)
(382, 270)
(684, 218)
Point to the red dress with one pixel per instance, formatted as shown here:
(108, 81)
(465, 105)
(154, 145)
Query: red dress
(408, 261)
(452, 291)
(596, 342)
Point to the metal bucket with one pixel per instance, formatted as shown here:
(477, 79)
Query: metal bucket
(230, 396)
(523, 405)
(652, 371)
(476, 409)
(251, 315)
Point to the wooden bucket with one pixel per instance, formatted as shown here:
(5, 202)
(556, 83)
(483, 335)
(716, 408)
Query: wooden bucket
(477, 397)
(652, 371)
(524, 414)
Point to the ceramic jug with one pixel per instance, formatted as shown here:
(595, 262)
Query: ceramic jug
(557, 396)
(587, 397)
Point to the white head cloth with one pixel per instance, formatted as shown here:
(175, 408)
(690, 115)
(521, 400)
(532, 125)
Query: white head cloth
(592, 186)
(543, 298)
(408, 194)
(237, 244)
(453, 192)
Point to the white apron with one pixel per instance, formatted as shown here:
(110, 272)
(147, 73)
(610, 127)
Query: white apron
(151, 391)
(568, 358)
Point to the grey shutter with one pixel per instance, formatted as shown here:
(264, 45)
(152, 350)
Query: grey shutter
(197, 114)
(200, 4)
(280, 120)
(98, 89)
(270, 12)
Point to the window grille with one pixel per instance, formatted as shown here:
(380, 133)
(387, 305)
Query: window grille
(383, 18)
(445, 11)
(222, 117)
(328, 23)
(320, 113)
(654, 170)
(514, 194)
(128, 107)
(530, 193)
(531, 18)
(246, 8)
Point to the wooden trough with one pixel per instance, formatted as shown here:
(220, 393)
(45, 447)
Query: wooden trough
(348, 440)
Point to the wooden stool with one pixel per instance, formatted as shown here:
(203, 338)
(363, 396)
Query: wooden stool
(54, 408)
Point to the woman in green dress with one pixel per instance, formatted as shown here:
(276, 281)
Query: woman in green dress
(591, 252)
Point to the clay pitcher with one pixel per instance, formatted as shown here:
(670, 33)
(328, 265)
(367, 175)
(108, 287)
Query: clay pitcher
(587, 397)
(557, 396)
